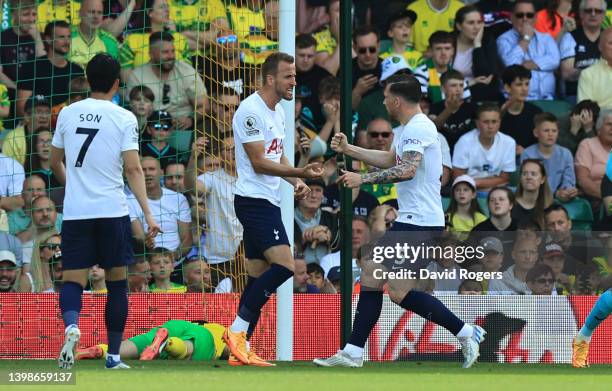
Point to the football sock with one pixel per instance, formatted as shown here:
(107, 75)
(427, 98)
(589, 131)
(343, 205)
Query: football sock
(115, 357)
(353, 351)
(466, 331)
(239, 325)
(70, 302)
(176, 348)
(432, 309)
(260, 292)
(253, 324)
(116, 314)
(245, 293)
(599, 312)
(367, 314)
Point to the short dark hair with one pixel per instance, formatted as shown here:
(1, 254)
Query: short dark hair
(544, 117)
(441, 37)
(451, 74)
(270, 66)
(505, 189)
(329, 88)
(486, 107)
(315, 268)
(364, 30)
(470, 285)
(408, 89)
(160, 36)
(50, 29)
(589, 105)
(142, 90)
(514, 72)
(540, 269)
(555, 207)
(303, 41)
(79, 87)
(158, 251)
(517, 2)
(102, 71)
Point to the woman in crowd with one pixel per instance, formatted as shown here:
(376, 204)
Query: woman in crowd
(532, 194)
(36, 276)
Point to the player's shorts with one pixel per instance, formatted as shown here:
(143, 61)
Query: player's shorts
(202, 339)
(262, 224)
(106, 242)
(416, 236)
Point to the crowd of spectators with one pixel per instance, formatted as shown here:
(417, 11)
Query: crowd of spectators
(517, 90)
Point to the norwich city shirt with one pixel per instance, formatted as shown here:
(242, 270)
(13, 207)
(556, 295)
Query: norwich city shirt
(81, 51)
(431, 20)
(196, 15)
(135, 49)
(49, 12)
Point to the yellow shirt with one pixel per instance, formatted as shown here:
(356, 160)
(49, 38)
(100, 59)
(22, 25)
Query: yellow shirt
(49, 12)
(325, 41)
(242, 19)
(135, 49)
(14, 145)
(412, 57)
(462, 226)
(4, 102)
(82, 51)
(591, 81)
(256, 48)
(430, 21)
(174, 288)
(217, 331)
(197, 16)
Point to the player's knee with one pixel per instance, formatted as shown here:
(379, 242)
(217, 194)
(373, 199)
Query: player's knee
(397, 294)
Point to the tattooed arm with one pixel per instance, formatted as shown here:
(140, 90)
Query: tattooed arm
(402, 172)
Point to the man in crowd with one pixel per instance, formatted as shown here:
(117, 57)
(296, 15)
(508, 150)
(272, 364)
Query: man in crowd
(174, 177)
(593, 79)
(435, 15)
(367, 68)
(8, 271)
(37, 117)
(20, 219)
(88, 39)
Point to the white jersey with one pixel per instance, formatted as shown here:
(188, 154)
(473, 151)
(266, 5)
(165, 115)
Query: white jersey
(254, 121)
(93, 134)
(419, 199)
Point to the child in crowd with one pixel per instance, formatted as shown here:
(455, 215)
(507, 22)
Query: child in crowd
(141, 104)
(162, 266)
(470, 287)
(155, 144)
(463, 212)
(400, 29)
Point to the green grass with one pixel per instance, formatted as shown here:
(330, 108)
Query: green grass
(296, 376)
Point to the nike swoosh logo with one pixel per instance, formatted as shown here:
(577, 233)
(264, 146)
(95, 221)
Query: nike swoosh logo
(599, 319)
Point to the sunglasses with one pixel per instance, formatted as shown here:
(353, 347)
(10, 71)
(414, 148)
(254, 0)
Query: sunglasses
(548, 281)
(166, 96)
(51, 246)
(379, 134)
(161, 126)
(523, 15)
(371, 49)
(227, 39)
(593, 11)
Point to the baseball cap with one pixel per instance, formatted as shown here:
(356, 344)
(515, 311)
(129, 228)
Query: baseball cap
(553, 249)
(491, 243)
(315, 182)
(391, 65)
(35, 101)
(6, 255)
(333, 274)
(405, 13)
(465, 178)
(158, 116)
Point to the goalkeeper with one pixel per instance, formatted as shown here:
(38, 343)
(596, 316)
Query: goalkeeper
(175, 339)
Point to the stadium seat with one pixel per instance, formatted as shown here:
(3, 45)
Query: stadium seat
(445, 203)
(482, 202)
(558, 107)
(515, 177)
(580, 213)
(180, 140)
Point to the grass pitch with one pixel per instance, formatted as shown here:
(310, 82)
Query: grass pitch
(296, 376)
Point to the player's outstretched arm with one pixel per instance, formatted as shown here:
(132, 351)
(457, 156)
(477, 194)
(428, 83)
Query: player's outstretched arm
(300, 188)
(380, 159)
(256, 153)
(57, 164)
(404, 171)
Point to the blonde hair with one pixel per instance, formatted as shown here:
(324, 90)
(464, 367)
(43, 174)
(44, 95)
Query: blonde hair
(37, 264)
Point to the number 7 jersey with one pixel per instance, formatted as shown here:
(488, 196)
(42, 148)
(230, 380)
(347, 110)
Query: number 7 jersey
(94, 133)
(254, 121)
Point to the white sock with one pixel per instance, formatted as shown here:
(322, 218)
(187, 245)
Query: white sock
(248, 344)
(353, 351)
(115, 357)
(240, 325)
(466, 331)
(69, 327)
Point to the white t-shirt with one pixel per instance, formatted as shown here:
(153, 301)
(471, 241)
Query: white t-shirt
(254, 121)
(479, 162)
(419, 199)
(167, 211)
(223, 230)
(94, 133)
(333, 259)
(12, 176)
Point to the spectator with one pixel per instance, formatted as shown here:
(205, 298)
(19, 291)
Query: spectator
(442, 48)
(485, 153)
(8, 271)
(367, 68)
(176, 86)
(400, 29)
(36, 275)
(333, 276)
(556, 19)
(49, 75)
(141, 104)
(471, 287)
(20, 219)
(599, 74)
(380, 220)
(44, 218)
(223, 230)
(580, 48)
(37, 117)
(155, 144)
(476, 55)
(308, 77)
(88, 39)
(533, 194)
(316, 277)
(500, 201)
(135, 50)
(434, 16)
(453, 116)
(328, 40)
(78, 90)
(196, 275)
(39, 161)
(11, 183)
(557, 160)
(445, 263)
(360, 236)
(301, 278)
(139, 275)
(541, 280)
(463, 213)
(170, 210)
(363, 202)
(97, 283)
(592, 157)
(525, 46)
(259, 43)
(587, 282)
(314, 229)
(493, 258)
(244, 16)
(12, 244)
(582, 125)
(514, 279)
(174, 177)
(119, 15)
(162, 266)
(554, 257)
(52, 10)
(223, 105)
(379, 137)
(199, 21)
(516, 112)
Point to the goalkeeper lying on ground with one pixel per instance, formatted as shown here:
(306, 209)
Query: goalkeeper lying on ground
(175, 339)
